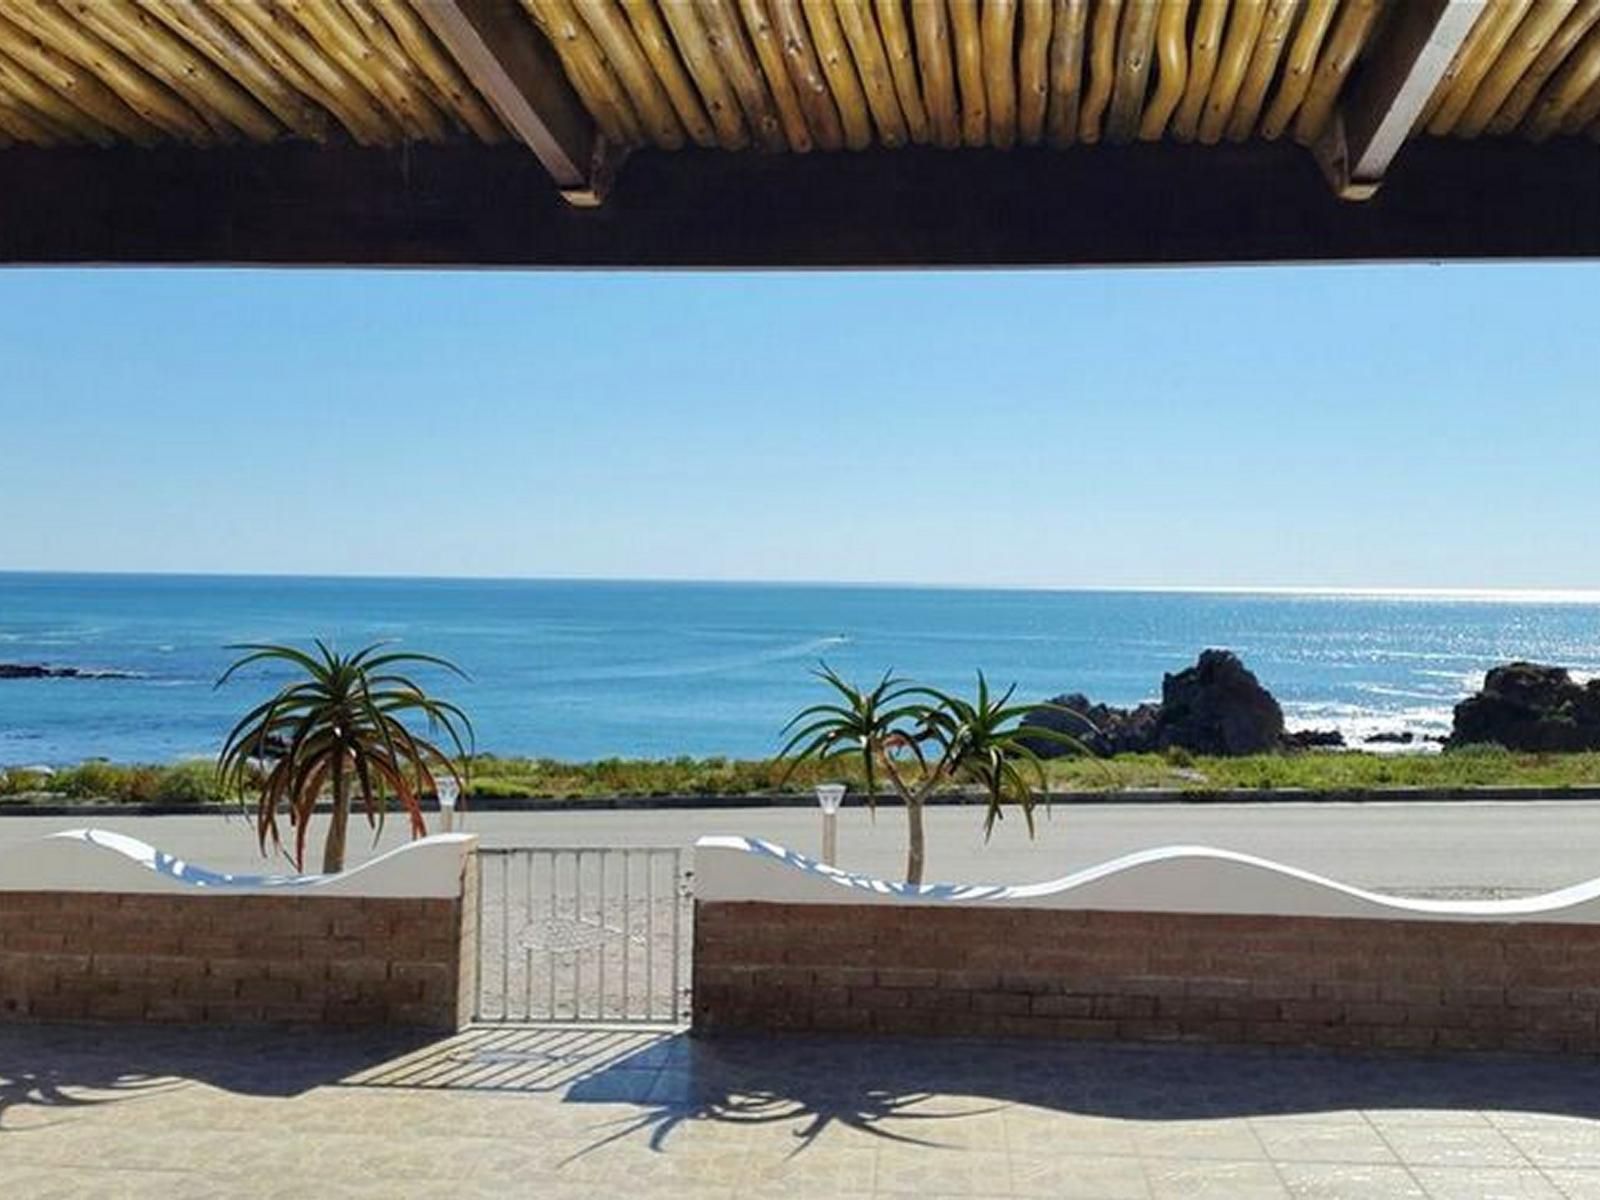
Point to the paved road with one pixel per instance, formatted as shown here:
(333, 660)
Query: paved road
(1467, 848)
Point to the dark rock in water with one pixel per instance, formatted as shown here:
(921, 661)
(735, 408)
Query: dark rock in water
(1528, 706)
(23, 671)
(1100, 727)
(37, 671)
(1403, 738)
(1213, 707)
(1313, 739)
(1218, 706)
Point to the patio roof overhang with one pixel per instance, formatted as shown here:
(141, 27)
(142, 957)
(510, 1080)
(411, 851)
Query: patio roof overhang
(797, 132)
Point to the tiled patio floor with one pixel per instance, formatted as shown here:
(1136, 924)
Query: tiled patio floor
(102, 1112)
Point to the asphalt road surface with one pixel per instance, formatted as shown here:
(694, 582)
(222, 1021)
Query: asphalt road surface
(1428, 849)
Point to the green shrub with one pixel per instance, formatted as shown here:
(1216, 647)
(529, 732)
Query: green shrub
(189, 783)
(1478, 750)
(1177, 756)
(15, 781)
(91, 781)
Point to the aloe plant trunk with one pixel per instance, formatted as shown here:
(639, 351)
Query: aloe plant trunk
(916, 843)
(339, 820)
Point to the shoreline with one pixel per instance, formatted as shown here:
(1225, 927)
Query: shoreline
(1264, 797)
(1170, 776)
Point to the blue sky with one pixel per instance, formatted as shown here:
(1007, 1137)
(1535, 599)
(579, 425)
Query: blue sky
(1415, 426)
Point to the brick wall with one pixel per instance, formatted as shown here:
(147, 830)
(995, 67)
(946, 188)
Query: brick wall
(229, 959)
(1146, 976)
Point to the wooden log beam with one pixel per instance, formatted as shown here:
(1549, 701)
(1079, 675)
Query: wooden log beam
(469, 204)
(1382, 106)
(518, 73)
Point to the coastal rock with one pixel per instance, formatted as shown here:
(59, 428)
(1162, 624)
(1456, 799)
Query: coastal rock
(1390, 738)
(1314, 739)
(1102, 728)
(1218, 706)
(1214, 707)
(38, 671)
(1530, 706)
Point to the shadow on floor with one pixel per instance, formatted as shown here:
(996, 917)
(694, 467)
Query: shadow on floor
(902, 1089)
(74, 1066)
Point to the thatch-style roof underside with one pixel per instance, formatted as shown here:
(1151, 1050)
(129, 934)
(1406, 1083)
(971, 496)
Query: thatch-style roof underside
(206, 72)
(781, 75)
(581, 85)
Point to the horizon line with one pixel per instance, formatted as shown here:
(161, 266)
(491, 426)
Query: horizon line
(1525, 594)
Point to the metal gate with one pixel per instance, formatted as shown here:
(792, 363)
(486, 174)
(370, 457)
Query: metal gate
(590, 934)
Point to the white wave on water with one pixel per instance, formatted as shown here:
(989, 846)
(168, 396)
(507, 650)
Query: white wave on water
(1465, 681)
(1358, 723)
(813, 647)
(1400, 693)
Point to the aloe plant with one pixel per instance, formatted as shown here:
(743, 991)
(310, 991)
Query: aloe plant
(921, 740)
(340, 730)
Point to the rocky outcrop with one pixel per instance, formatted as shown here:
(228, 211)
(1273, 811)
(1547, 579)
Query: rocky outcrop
(1100, 727)
(1403, 737)
(37, 671)
(1216, 706)
(1528, 706)
(1313, 739)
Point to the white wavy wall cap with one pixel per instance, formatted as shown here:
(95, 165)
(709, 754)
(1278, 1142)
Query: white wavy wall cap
(1178, 879)
(98, 860)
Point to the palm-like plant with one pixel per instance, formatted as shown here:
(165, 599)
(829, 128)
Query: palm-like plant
(985, 742)
(861, 724)
(921, 740)
(340, 727)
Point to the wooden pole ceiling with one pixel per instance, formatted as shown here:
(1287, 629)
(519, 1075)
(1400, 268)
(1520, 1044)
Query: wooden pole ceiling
(828, 131)
(517, 73)
(1402, 75)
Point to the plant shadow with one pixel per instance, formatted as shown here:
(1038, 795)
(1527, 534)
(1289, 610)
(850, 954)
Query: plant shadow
(918, 1091)
(652, 1086)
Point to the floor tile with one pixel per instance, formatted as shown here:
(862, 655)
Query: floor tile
(1576, 1184)
(1425, 1118)
(1341, 1143)
(1231, 1140)
(1350, 1181)
(563, 1114)
(1082, 1177)
(843, 1170)
(1486, 1183)
(1219, 1180)
(1455, 1146)
(954, 1172)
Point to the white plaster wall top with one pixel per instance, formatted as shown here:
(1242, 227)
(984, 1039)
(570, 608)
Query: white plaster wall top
(98, 860)
(1177, 879)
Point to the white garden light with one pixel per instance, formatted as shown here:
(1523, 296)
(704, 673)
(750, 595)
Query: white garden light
(829, 797)
(449, 792)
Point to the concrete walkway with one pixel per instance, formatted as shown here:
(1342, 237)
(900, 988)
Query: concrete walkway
(549, 1113)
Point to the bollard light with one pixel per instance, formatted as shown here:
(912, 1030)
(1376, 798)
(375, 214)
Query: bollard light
(829, 797)
(449, 792)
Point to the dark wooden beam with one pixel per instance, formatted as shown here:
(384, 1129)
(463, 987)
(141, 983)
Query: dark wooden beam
(517, 72)
(1394, 85)
(493, 206)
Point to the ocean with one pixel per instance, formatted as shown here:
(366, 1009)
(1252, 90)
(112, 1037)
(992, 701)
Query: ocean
(589, 669)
